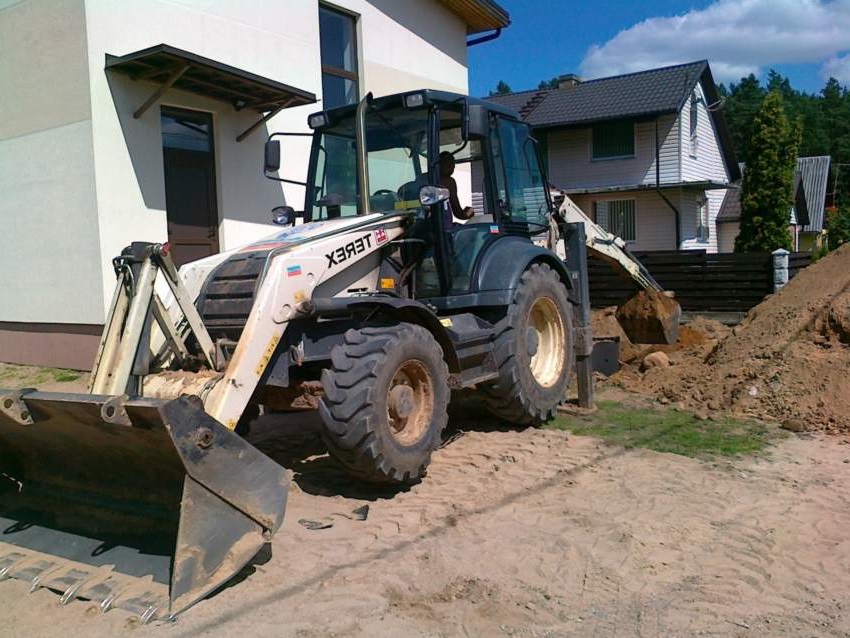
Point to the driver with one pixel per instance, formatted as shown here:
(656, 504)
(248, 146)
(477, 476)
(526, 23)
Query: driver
(447, 167)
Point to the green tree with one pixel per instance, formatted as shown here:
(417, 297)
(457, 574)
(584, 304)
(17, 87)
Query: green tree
(548, 84)
(766, 194)
(838, 226)
(501, 88)
(741, 106)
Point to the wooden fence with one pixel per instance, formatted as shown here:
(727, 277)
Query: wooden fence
(701, 281)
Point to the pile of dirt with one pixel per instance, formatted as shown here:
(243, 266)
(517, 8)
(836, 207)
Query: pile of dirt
(789, 359)
(694, 336)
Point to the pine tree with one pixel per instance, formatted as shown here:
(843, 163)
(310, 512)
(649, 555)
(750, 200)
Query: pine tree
(766, 196)
(501, 88)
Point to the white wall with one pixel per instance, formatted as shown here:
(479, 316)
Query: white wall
(402, 45)
(707, 162)
(655, 223)
(571, 164)
(49, 250)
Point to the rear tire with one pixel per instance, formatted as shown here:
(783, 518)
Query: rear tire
(533, 350)
(384, 404)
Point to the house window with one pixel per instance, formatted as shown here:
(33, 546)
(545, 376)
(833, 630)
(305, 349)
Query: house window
(338, 37)
(613, 139)
(694, 124)
(617, 217)
(702, 233)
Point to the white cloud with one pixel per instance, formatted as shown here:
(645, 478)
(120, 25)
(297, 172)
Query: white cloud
(838, 67)
(737, 37)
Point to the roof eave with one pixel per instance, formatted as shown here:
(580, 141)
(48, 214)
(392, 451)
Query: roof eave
(479, 15)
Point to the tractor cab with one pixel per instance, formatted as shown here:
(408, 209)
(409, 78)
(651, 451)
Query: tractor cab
(395, 170)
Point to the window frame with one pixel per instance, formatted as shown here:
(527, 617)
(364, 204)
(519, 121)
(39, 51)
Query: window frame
(594, 157)
(701, 213)
(693, 125)
(328, 69)
(607, 226)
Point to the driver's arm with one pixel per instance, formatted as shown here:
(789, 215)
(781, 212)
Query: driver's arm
(457, 210)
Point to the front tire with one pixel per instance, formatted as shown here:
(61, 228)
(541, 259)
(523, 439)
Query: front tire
(533, 350)
(385, 401)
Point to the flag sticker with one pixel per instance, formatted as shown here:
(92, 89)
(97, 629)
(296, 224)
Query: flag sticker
(293, 271)
(380, 236)
(494, 230)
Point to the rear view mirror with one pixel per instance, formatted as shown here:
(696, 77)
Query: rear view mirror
(430, 195)
(272, 156)
(284, 215)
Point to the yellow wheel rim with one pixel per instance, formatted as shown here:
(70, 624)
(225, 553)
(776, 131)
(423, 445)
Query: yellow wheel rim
(547, 362)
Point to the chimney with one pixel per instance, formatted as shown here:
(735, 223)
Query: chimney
(568, 81)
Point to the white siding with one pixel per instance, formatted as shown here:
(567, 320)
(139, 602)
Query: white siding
(655, 222)
(726, 235)
(571, 165)
(707, 163)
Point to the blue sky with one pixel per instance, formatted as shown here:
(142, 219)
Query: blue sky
(805, 40)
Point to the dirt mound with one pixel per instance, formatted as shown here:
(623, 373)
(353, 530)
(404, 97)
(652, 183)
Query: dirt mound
(789, 359)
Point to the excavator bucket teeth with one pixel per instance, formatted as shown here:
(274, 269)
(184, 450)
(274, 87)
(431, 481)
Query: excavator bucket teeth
(142, 504)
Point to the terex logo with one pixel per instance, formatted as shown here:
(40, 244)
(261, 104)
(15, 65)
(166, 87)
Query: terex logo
(348, 251)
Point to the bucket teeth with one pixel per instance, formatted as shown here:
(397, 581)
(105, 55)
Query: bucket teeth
(120, 501)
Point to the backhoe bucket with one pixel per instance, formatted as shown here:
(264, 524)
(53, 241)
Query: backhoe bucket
(143, 504)
(650, 316)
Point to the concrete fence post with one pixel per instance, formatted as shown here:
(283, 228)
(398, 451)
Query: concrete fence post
(780, 268)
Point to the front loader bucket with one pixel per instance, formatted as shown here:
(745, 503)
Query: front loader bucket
(143, 504)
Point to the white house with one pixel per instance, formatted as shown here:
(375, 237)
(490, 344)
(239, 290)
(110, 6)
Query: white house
(146, 119)
(647, 154)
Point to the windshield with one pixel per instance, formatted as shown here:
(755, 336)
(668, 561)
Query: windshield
(396, 142)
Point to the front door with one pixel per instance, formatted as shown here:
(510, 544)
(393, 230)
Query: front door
(190, 187)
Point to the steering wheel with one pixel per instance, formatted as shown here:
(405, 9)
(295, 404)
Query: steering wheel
(385, 191)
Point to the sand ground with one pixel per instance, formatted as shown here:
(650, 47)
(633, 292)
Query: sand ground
(529, 533)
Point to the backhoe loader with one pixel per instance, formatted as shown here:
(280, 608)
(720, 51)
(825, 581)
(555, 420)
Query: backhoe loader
(143, 495)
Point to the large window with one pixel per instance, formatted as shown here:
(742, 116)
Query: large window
(397, 161)
(516, 154)
(617, 217)
(613, 139)
(338, 36)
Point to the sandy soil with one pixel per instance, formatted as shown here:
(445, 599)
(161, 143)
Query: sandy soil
(530, 533)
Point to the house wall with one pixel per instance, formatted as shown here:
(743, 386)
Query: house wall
(48, 220)
(726, 234)
(655, 223)
(571, 165)
(703, 161)
(71, 151)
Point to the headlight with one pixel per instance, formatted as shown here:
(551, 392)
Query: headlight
(317, 120)
(430, 195)
(414, 100)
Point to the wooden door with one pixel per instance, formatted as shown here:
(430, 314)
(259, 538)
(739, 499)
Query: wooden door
(190, 184)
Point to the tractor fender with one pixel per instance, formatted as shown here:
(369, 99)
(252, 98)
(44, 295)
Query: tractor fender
(399, 309)
(501, 266)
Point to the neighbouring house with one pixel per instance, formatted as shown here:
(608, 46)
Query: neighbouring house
(647, 154)
(806, 218)
(126, 121)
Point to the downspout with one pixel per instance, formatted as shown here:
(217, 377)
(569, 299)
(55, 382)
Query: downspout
(484, 38)
(678, 215)
(362, 162)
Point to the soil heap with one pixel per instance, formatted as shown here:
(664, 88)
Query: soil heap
(788, 361)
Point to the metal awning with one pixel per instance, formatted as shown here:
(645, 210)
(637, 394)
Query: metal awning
(171, 67)
(702, 185)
